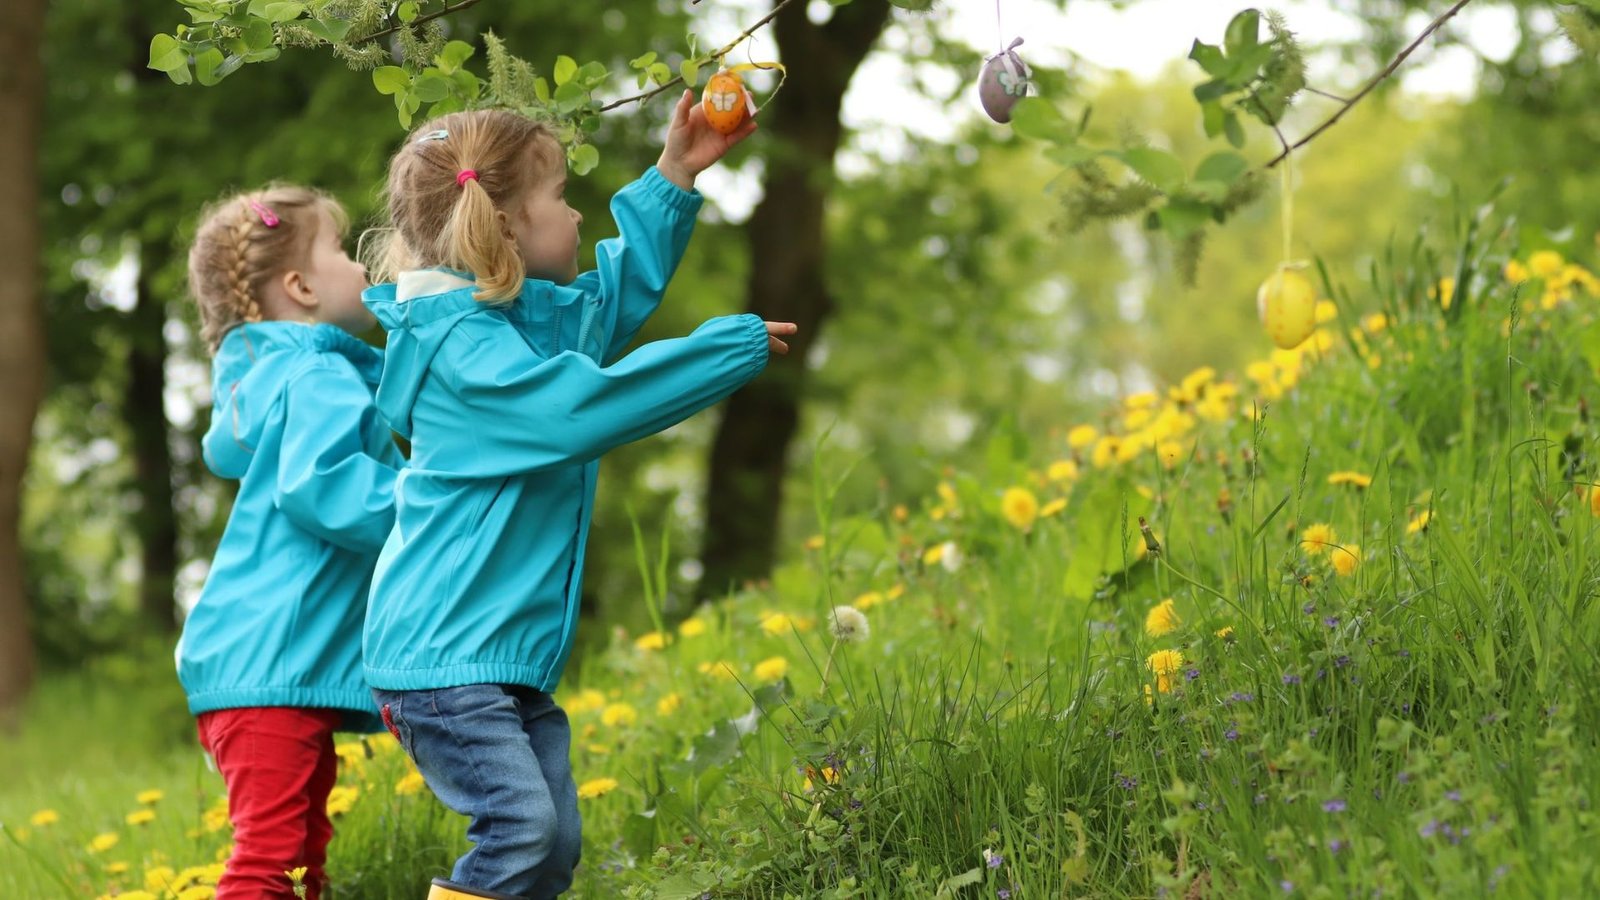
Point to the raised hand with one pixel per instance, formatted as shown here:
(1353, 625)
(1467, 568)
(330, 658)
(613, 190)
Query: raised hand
(774, 345)
(693, 145)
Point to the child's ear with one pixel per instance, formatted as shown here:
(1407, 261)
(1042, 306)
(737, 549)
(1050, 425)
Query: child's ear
(299, 290)
(505, 226)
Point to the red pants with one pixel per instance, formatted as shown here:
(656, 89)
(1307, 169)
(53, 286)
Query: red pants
(279, 765)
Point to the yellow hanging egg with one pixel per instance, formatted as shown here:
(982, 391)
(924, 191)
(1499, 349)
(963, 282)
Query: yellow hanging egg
(726, 101)
(1287, 304)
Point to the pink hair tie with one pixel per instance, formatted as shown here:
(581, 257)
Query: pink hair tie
(466, 175)
(268, 217)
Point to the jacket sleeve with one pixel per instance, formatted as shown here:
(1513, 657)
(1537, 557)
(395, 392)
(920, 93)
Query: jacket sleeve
(654, 221)
(523, 413)
(327, 482)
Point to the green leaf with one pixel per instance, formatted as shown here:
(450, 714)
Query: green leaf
(690, 71)
(431, 86)
(407, 12)
(1224, 166)
(330, 30)
(1070, 155)
(1181, 218)
(257, 35)
(584, 158)
(180, 75)
(719, 746)
(1036, 117)
(1207, 190)
(1244, 32)
(541, 90)
(913, 5)
(1210, 91)
(1211, 114)
(566, 67)
(952, 885)
(234, 62)
(639, 833)
(390, 80)
(643, 61)
(453, 56)
(166, 54)
(1210, 58)
(283, 12)
(592, 75)
(205, 66)
(570, 96)
(1158, 167)
(660, 73)
(1234, 130)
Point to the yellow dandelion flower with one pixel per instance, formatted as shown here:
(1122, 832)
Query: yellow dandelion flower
(198, 892)
(1170, 453)
(1261, 372)
(140, 817)
(1053, 507)
(1316, 539)
(342, 799)
(722, 670)
(159, 878)
(1214, 408)
(1081, 436)
(772, 669)
(1062, 470)
(692, 628)
(215, 819)
(1545, 264)
(1105, 451)
(947, 495)
(1326, 312)
(653, 640)
(932, 555)
(1594, 509)
(1162, 619)
(297, 874)
(1149, 696)
(1020, 507)
(596, 787)
(814, 542)
(778, 623)
(1354, 479)
(43, 818)
(1129, 450)
(1199, 378)
(669, 704)
(104, 841)
(900, 513)
(1420, 523)
(1137, 419)
(616, 714)
(150, 797)
(587, 700)
(1445, 291)
(1345, 558)
(116, 868)
(411, 783)
(1516, 272)
(868, 600)
(1225, 632)
(1165, 662)
(597, 749)
(130, 895)
(1141, 400)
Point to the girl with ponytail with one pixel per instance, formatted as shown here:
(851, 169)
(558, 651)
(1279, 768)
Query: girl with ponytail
(502, 370)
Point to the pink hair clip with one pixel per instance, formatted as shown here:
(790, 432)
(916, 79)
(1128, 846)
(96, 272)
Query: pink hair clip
(466, 175)
(268, 217)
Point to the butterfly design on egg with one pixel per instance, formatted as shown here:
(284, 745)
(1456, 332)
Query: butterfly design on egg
(723, 101)
(1005, 79)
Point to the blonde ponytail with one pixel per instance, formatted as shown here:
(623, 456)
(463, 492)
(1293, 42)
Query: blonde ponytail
(440, 217)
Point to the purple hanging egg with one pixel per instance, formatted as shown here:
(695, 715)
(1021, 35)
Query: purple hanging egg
(1003, 82)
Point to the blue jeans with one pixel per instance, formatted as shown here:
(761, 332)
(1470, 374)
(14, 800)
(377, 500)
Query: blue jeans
(499, 755)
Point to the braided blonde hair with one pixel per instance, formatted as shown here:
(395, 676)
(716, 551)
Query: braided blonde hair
(438, 217)
(243, 242)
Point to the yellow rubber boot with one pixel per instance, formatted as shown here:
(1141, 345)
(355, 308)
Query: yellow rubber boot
(445, 890)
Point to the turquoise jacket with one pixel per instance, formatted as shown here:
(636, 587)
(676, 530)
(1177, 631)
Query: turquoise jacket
(508, 408)
(278, 622)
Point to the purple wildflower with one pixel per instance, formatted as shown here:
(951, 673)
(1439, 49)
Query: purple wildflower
(1331, 621)
(1291, 678)
(1335, 805)
(995, 860)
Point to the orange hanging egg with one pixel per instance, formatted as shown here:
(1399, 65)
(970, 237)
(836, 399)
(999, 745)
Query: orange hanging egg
(1287, 303)
(726, 102)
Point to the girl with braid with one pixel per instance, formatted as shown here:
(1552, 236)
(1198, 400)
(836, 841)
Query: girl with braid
(270, 656)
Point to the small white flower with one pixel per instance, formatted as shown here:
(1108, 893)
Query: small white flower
(848, 624)
(950, 558)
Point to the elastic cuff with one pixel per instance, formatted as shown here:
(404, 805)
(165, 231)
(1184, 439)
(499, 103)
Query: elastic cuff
(761, 353)
(657, 185)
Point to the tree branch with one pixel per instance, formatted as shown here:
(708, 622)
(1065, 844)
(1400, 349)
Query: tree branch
(724, 51)
(437, 14)
(1370, 85)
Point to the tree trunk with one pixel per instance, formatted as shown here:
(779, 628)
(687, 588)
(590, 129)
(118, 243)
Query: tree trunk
(788, 255)
(144, 410)
(22, 353)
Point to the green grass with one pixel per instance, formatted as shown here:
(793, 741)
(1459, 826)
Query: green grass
(1421, 726)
